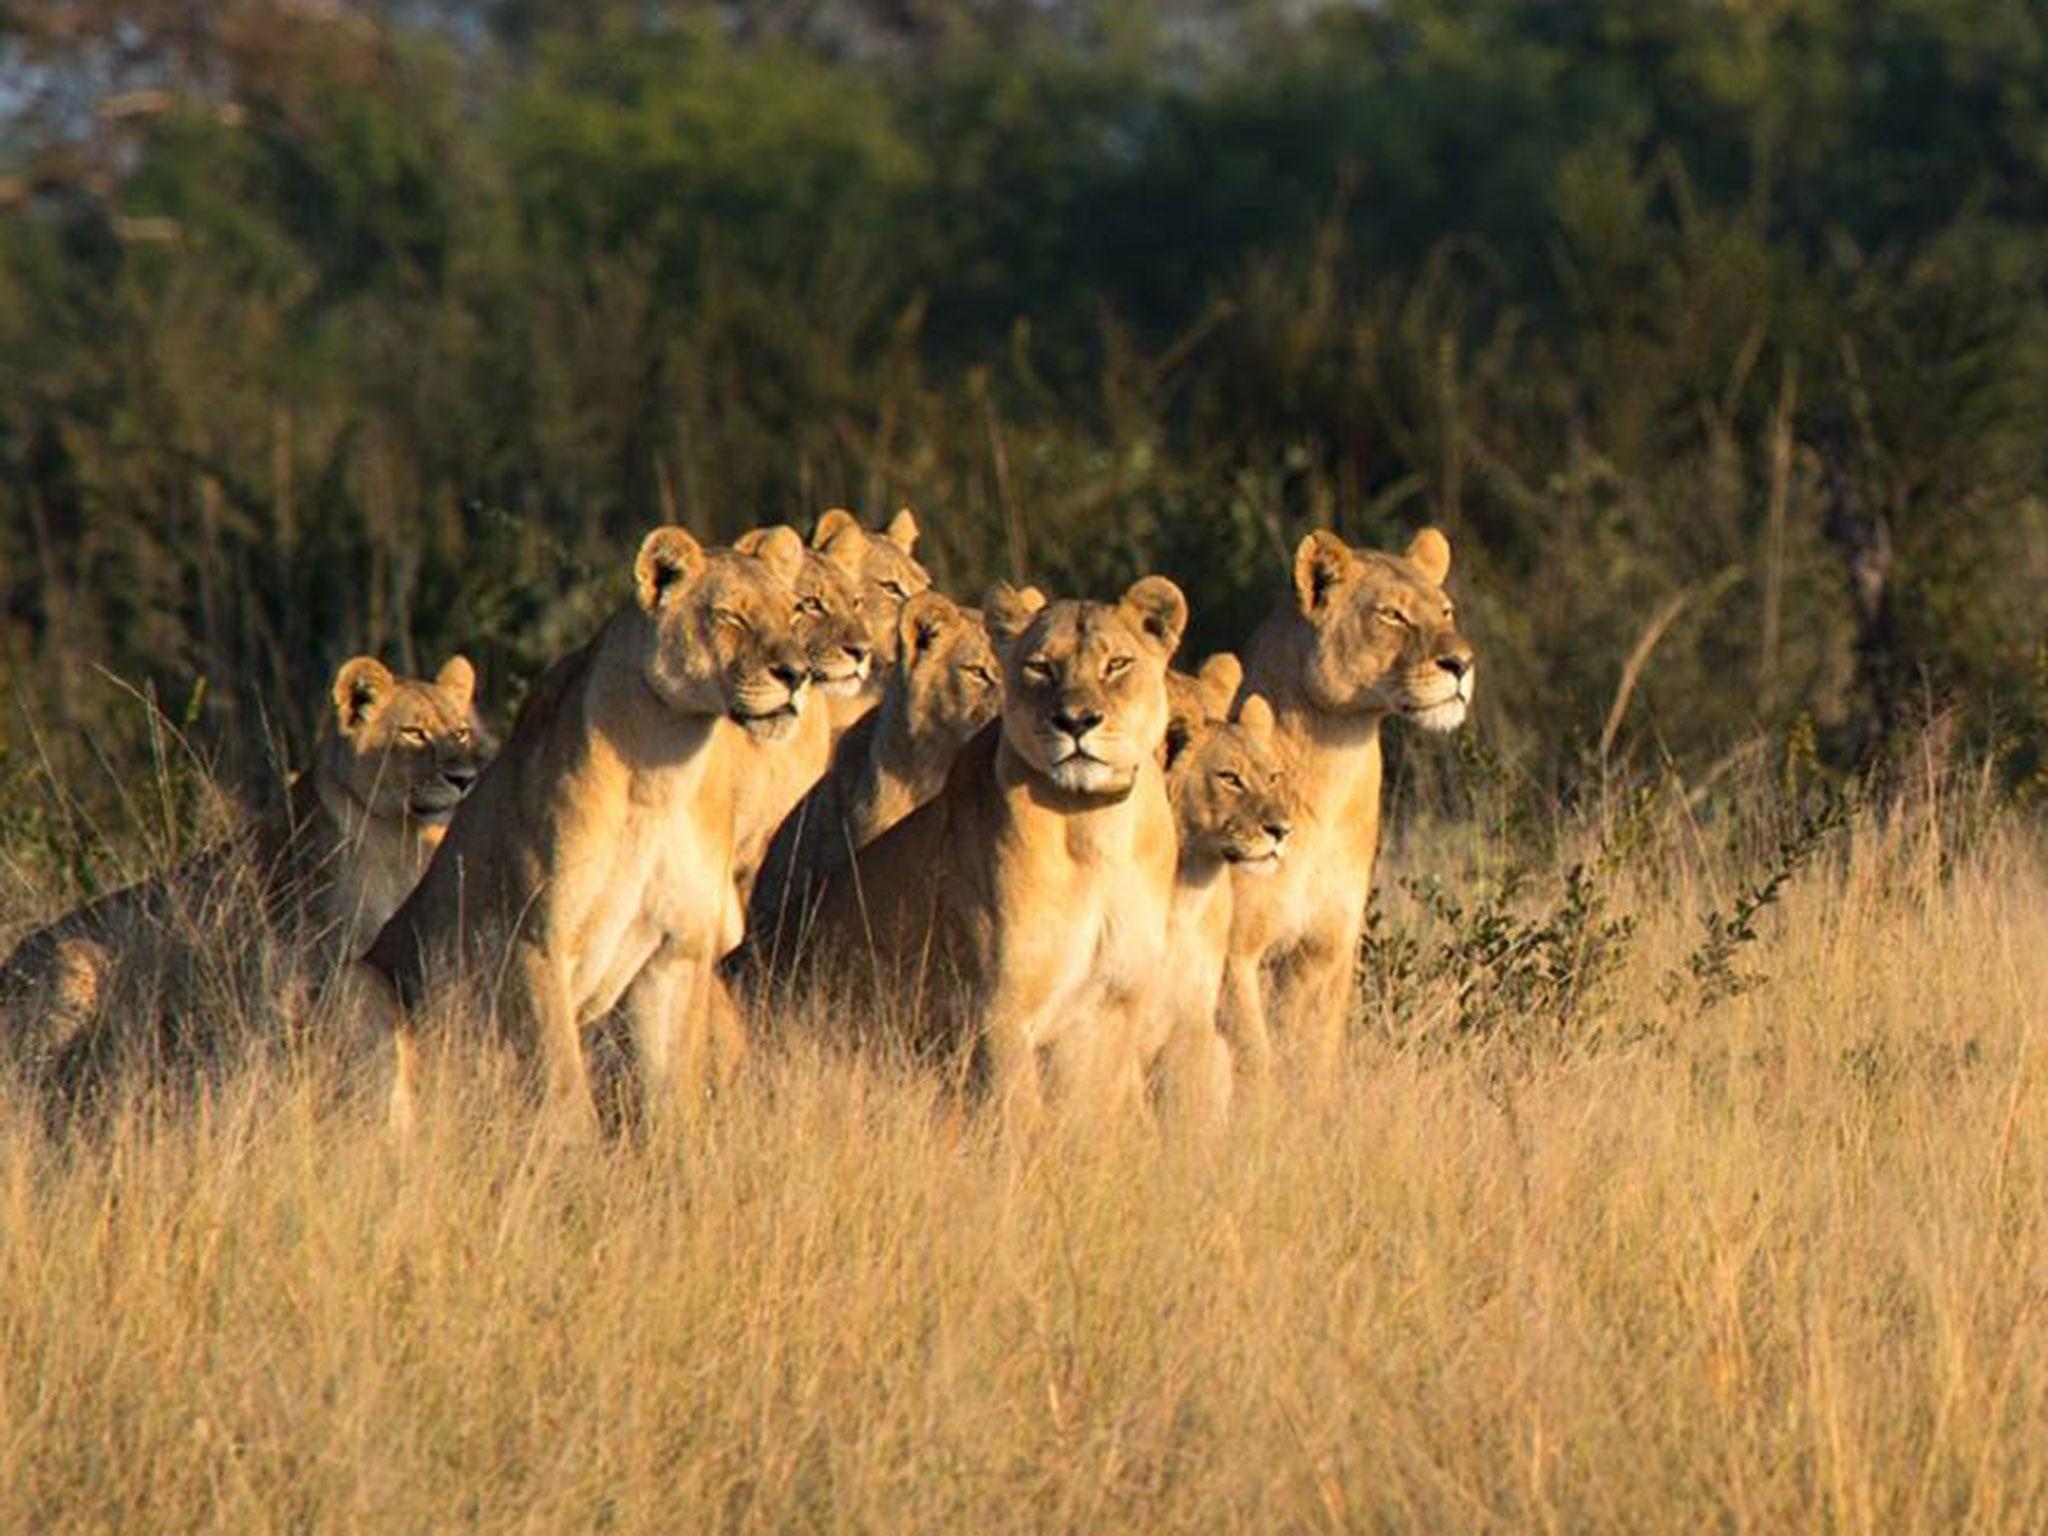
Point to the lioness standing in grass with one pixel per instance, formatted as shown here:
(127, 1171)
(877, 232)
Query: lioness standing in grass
(593, 864)
(1025, 908)
(1363, 635)
(323, 872)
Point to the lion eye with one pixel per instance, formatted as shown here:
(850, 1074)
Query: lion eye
(981, 674)
(810, 605)
(896, 589)
(729, 619)
(1116, 666)
(462, 736)
(1038, 669)
(1229, 780)
(1393, 616)
(413, 736)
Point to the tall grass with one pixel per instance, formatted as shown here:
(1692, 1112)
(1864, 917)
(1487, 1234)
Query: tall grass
(1763, 1257)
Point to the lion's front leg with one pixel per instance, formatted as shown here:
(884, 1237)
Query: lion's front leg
(567, 1101)
(1241, 1015)
(655, 1003)
(1310, 993)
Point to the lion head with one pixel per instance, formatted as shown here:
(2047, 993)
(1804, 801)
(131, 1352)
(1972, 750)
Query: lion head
(831, 612)
(952, 682)
(721, 629)
(1231, 796)
(883, 566)
(1195, 700)
(401, 747)
(1378, 635)
(1084, 683)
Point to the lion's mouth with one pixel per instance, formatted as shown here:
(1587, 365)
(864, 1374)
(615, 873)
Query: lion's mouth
(767, 724)
(435, 807)
(1260, 861)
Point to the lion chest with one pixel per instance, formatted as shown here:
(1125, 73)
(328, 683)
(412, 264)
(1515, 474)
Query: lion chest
(1088, 916)
(654, 870)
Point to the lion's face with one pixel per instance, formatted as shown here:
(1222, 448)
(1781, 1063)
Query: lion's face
(831, 620)
(408, 748)
(1231, 796)
(724, 629)
(882, 566)
(1382, 638)
(1084, 684)
(952, 681)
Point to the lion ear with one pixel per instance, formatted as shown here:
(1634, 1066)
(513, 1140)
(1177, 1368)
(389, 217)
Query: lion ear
(1220, 678)
(458, 677)
(1255, 715)
(846, 549)
(831, 525)
(1008, 612)
(1430, 550)
(1157, 607)
(1322, 563)
(359, 686)
(780, 548)
(668, 557)
(927, 618)
(902, 530)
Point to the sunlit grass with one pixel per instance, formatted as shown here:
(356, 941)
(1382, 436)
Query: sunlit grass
(1775, 1265)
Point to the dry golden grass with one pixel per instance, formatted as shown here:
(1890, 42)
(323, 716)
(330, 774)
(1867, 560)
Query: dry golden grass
(1778, 1265)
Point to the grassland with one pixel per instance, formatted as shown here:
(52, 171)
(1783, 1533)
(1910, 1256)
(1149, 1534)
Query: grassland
(1602, 1229)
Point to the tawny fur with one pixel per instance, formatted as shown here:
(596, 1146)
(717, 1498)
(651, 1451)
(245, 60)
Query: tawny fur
(322, 872)
(593, 864)
(1362, 636)
(1025, 908)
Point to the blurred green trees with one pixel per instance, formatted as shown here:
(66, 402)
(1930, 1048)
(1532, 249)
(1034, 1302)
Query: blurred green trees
(326, 327)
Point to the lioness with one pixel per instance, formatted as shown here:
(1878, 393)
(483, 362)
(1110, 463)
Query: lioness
(1365, 635)
(944, 687)
(1026, 905)
(889, 577)
(827, 608)
(1234, 812)
(325, 870)
(593, 862)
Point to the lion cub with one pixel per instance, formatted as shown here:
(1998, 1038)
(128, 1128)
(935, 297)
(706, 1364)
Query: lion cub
(1234, 811)
(1364, 636)
(1025, 908)
(593, 863)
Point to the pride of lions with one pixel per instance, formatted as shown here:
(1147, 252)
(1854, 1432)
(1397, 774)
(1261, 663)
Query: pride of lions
(1013, 834)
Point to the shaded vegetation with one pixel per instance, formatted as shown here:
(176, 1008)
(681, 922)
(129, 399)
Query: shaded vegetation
(1717, 336)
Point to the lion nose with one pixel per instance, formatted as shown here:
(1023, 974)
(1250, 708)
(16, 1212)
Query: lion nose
(460, 776)
(790, 677)
(1457, 663)
(857, 654)
(1278, 830)
(1077, 722)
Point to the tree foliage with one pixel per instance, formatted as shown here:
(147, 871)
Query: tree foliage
(326, 328)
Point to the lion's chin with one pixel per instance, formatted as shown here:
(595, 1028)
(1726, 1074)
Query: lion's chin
(1086, 776)
(1447, 716)
(1255, 863)
(773, 725)
(845, 687)
(433, 815)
